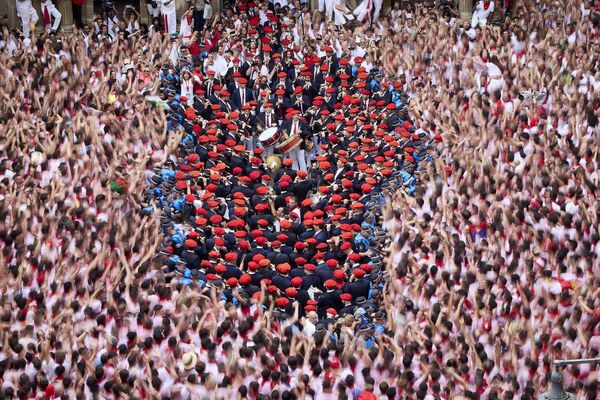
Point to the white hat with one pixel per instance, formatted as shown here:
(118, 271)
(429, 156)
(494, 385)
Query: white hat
(189, 360)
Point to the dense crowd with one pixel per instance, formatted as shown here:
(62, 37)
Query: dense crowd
(271, 202)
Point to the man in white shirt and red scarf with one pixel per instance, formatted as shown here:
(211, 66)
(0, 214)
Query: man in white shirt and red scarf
(481, 13)
(186, 26)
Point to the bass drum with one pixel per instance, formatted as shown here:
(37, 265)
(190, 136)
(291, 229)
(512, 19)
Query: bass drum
(290, 144)
(270, 137)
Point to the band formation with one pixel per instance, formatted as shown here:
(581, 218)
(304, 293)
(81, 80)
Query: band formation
(273, 202)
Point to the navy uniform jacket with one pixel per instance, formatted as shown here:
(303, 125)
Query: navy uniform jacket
(358, 288)
(251, 289)
(256, 277)
(324, 272)
(321, 236)
(284, 171)
(307, 234)
(277, 257)
(191, 259)
(310, 280)
(237, 97)
(328, 300)
(349, 309)
(302, 297)
(282, 282)
(231, 272)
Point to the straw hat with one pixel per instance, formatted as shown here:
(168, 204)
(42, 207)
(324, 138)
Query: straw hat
(189, 360)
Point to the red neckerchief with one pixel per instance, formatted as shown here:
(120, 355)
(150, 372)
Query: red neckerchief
(487, 326)
(482, 388)
(544, 347)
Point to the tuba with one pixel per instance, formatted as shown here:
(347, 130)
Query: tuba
(273, 162)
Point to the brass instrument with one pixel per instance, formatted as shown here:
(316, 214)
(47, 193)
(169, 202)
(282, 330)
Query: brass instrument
(273, 162)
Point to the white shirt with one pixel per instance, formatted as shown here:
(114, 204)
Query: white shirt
(309, 328)
(167, 6)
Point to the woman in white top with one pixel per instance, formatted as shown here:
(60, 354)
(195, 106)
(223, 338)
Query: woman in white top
(517, 41)
(495, 76)
(133, 23)
(491, 68)
(187, 87)
(396, 13)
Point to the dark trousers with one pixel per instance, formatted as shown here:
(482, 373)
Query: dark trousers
(77, 16)
(198, 20)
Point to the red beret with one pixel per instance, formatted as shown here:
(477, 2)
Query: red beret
(339, 274)
(345, 246)
(296, 281)
(346, 296)
(232, 282)
(211, 277)
(330, 283)
(220, 269)
(354, 256)
(245, 280)
(283, 268)
(282, 302)
(310, 267)
(359, 273)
